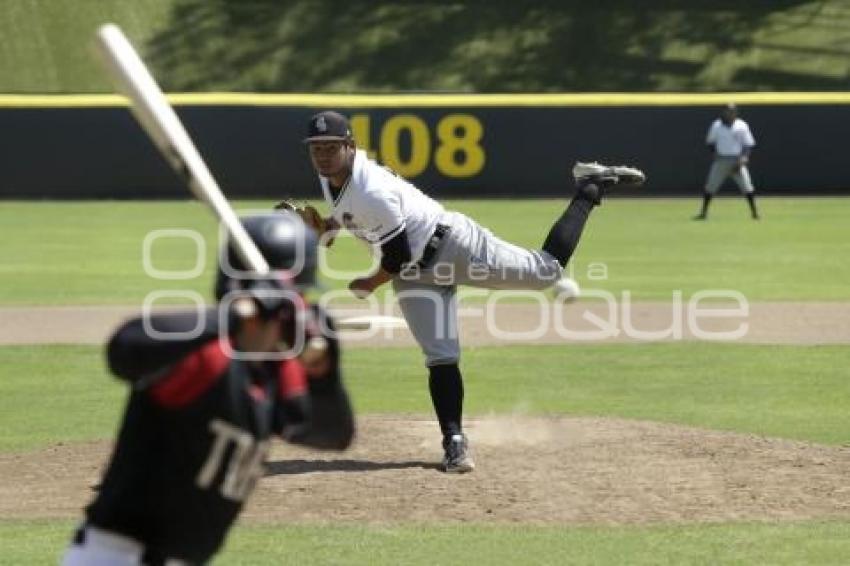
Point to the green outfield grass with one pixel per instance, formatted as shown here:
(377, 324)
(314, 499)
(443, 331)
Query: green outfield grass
(54, 394)
(46, 45)
(736, 543)
(799, 392)
(91, 252)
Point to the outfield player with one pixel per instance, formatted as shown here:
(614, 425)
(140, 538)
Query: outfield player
(199, 419)
(731, 141)
(427, 251)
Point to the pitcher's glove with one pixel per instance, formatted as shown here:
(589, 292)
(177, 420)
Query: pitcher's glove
(311, 217)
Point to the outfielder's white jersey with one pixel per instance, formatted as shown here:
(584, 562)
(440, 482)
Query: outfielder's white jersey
(731, 140)
(376, 205)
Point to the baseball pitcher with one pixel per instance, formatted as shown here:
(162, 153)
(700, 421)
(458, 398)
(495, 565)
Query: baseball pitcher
(427, 251)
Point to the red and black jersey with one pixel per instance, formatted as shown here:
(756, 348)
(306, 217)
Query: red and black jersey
(196, 431)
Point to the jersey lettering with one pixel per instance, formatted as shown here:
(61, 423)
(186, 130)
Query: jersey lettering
(244, 467)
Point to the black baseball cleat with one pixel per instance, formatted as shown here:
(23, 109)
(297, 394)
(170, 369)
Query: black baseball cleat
(457, 458)
(700, 217)
(593, 179)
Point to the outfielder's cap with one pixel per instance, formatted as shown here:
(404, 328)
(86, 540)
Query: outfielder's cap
(328, 126)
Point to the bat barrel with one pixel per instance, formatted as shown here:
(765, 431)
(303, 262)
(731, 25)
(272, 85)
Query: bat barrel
(157, 117)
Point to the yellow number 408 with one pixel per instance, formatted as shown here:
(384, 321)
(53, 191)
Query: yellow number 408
(458, 152)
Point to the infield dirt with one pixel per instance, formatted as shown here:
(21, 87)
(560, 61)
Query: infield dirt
(530, 470)
(767, 323)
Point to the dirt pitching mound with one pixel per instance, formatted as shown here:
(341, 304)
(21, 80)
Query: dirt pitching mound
(530, 470)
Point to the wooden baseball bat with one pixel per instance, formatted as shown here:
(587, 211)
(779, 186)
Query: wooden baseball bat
(156, 116)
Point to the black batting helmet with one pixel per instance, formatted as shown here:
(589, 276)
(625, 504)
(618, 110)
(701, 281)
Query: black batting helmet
(288, 245)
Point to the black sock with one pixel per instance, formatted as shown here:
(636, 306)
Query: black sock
(751, 198)
(446, 385)
(565, 233)
(706, 200)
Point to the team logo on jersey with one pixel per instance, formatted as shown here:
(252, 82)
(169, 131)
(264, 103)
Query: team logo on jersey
(321, 125)
(353, 227)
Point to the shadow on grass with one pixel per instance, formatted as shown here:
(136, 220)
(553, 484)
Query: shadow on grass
(295, 467)
(497, 45)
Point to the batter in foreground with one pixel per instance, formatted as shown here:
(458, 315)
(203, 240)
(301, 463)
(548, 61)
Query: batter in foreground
(209, 390)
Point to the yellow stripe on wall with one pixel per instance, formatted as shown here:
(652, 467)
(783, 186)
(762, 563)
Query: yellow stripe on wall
(432, 100)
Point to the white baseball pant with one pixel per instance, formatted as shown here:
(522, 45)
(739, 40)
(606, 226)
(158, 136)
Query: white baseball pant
(724, 167)
(468, 255)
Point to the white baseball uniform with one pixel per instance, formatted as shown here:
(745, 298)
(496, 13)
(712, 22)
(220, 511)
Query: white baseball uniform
(375, 205)
(447, 249)
(729, 143)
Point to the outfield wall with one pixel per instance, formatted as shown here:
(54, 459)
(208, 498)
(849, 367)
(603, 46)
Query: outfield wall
(450, 145)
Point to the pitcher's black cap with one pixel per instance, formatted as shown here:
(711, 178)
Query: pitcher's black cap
(328, 126)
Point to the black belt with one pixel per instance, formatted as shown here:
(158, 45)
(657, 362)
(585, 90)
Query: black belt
(433, 245)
